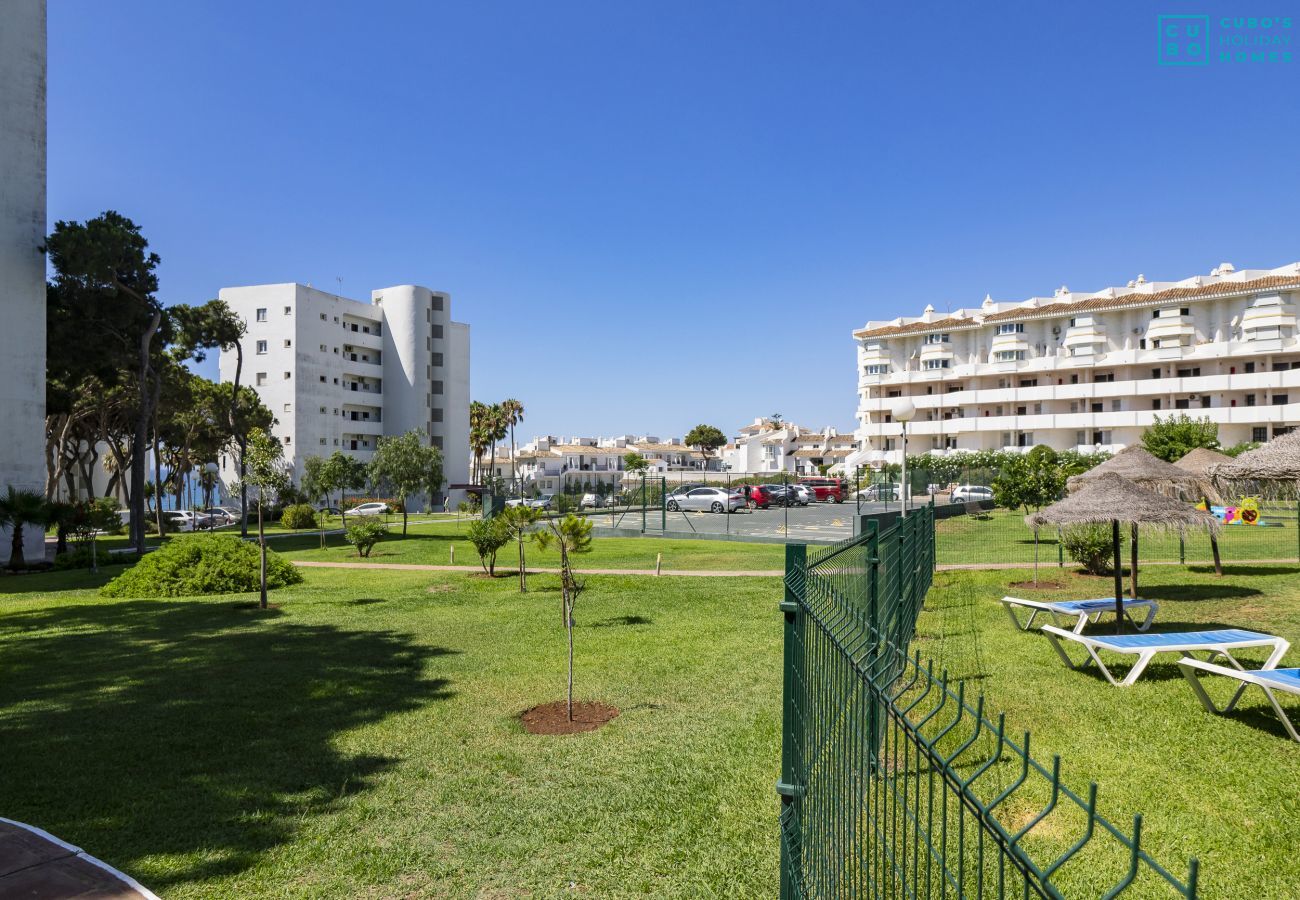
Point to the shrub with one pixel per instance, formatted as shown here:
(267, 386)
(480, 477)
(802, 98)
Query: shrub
(80, 558)
(365, 534)
(201, 564)
(1090, 546)
(488, 536)
(300, 515)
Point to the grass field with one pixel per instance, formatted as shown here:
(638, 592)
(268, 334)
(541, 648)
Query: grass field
(361, 739)
(1002, 536)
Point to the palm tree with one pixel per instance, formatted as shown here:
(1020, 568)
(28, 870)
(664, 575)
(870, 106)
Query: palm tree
(496, 425)
(477, 436)
(514, 411)
(19, 508)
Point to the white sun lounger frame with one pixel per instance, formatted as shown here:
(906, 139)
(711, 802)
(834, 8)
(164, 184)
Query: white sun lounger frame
(1192, 669)
(1083, 617)
(1145, 654)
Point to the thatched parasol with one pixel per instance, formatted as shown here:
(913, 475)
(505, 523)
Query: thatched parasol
(1199, 462)
(1135, 464)
(1273, 469)
(1111, 498)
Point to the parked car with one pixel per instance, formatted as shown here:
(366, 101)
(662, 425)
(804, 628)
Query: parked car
(804, 493)
(710, 499)
(971, 493)
(881, 492)
(221, 515)
(370, 509)
(185, 520)
(756, 497)
(830, 490)
(783, 495)
(541, 502)
(591, 501)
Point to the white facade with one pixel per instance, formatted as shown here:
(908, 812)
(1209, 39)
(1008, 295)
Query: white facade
(338, 373)
(764, 447)
(550, 464)
(1086, 370)
(22, 265)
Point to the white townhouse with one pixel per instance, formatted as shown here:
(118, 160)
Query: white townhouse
(22, 262)
(551, 463)
(1085, 370)
(764, 446)
(339, 373)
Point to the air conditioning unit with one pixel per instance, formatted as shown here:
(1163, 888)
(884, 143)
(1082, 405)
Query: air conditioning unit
(1056, 329)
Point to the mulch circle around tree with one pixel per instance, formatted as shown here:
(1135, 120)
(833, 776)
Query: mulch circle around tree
(553, 718)
(1040, 585)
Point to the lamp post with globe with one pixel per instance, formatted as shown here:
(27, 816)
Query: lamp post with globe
(903, 412)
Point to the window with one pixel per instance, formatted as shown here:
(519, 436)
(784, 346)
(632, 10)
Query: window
(322, 318)
(1115, 405)
(1281, 366)
(1022, 410)
(288, 310)
(1100, 379)
(1189, 373)
(322, 410)
(1029, 382)
(1279, 430)
(1012, 328)
(288, 407)
(324, 349)
(1250, 368)
(936, 363)
(1182, 404)
(1205, 402)
(437, 359)
(288, 375)
(261, 314)
(1072, 321)
(1096, 407)
(287, 439)
(322, 442)
(936, 339)
(894, 394)
(1279, 399)
(1259, 435)
(1156, 373)
(877, 370)
(1185, 311)
(437, 331)
(1008, 356)
(1250, 399)
(336, 349)
(261, 346)
(260, 379)
(1074, 379)
(288, 343)
(1142, 343)
(1155, 404)
(1074, 406)
(437, 387)
(435, 414)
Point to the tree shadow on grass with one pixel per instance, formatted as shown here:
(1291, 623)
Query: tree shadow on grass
(148, 727)
(1238, 570)
(1196, 592)
(620, 621)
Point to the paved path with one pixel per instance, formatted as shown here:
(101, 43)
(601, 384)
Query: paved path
(34, 863)
(414, 567)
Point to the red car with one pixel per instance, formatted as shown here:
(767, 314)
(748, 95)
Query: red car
(830, 490)
(756, 497)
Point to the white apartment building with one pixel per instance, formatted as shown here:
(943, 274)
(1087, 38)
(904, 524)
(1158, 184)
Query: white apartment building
(339, 373)
(22, 264)
(1086, 370)
(552, 464)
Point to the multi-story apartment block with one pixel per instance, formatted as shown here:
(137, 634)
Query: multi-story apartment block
(1087, 371)
(339, 373)
(22, 264)
(555, 464)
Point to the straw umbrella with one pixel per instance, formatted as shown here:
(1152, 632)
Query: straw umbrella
(1199, 462)
(1273, 469)
(1137, 465)
(1111, 498)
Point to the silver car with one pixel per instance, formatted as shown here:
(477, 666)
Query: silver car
(707, 499)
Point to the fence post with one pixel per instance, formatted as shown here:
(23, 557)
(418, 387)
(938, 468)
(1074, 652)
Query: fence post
(790, 785)
(1297, 529)
(875, 701)
(1060, 549)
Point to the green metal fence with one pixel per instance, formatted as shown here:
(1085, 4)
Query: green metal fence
(893, 782)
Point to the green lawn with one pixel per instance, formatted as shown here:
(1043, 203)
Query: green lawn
(432, 543)
(1002, 536)
(361, 739)
(1221, 788)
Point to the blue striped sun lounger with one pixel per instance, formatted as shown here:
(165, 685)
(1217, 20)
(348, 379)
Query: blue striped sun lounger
(1082, 611)
(1147, 646)
(1266, 679)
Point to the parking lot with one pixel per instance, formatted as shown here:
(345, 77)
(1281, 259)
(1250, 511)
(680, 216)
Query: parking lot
(815, 522)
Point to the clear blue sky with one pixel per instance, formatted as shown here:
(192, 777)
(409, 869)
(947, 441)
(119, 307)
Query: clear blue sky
(658, 214)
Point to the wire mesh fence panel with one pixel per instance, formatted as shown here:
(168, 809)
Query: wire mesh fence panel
(895, 783)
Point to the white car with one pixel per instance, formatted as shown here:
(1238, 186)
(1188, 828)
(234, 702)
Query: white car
(184, 520)
(542, 502)
(971, 493)
(805, 494)
(369, 509)
(708, 499)
(591, 501)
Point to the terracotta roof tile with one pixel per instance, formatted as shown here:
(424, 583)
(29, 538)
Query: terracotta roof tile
(1138, 298)
(917, 327)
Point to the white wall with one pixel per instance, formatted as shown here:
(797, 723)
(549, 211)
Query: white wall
(22, 266)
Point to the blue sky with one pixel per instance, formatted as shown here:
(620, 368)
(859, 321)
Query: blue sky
(659, 214)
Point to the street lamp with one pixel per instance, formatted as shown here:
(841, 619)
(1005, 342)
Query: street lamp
(904, 410)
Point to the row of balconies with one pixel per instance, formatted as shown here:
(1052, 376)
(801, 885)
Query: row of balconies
(1256, 382)
(1130, 357)
(1133, 418)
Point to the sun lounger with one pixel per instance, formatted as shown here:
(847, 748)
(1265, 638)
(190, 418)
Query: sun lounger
(1266, 679)
(1084, 611)
(1145, 647)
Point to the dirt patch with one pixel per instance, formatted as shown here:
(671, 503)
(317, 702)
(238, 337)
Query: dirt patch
(444, 588)
(553, 718)
(1041, 585)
